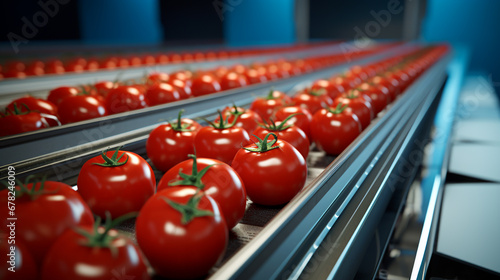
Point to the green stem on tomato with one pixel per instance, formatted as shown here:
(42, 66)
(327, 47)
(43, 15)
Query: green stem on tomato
(263, 145)
(179, 126)
(339, 109)
(114, 161)
(190, 210)
(193, 179)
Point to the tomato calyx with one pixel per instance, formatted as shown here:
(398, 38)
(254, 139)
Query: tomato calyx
(316, 92)
(263, 145)
(236, 111)
(282, 126)
(190, 210)
(179, 126)
(339, 109)
(17, 110)
(114, 161)
(32, 193)
(100, 237)
(222, 123)
(195, 178)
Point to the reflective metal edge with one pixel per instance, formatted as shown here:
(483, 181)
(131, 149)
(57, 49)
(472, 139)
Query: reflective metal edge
(73, 139)
(267, 255)
(438, 163)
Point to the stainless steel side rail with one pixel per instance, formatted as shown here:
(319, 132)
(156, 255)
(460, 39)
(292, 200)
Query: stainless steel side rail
(437, 164)
(73, 139)
(321, 233)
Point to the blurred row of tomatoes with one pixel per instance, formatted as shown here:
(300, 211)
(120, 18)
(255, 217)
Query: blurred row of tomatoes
(69, 104)
(78, 64)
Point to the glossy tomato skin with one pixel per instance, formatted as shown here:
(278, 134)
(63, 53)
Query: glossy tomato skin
(247, 119)
(15, 124)
(103, 87)
(67, 259)
(118, 190)
(125, 98)
(359, 106)
(177, 250)
(312, 101)
(24, 265)
(161, 93)
(293, 135)
(46, 216)
(80, 108)
(232, 80)
(331, 89)
(273, 177)
(334, 132)
(302, 119)
(34, 104)
(378, 94)
(182, 87)
(167, 147)
(221, 182)
(205, 84)
(220, 144)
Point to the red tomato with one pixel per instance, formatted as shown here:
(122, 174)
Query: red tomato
(333, 90)
(17, 264)
(385, 82)
(216, 179)
(102, 88)
(118, 182)
(232, 80)
(98, 253)
(182, 232)
(34, 104)
(80, 108)
(302, 118)
(379, 96)
(15, 123)
(334, 129)
(182, 87)
(273, 172)
(358, 105)
(205, 84)
(247, 119)
(171, 143)
(255, 76)
(220, 141)
(44, 210)
(161, 93)
(312, 100)
(124, 98)
(157, 77)
(286, 132)
(266, 106)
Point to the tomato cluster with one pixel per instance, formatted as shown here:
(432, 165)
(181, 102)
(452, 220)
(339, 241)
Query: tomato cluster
(209, 173)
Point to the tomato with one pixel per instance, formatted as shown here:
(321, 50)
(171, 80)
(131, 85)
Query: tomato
(220, 140)
(117, 182)
(157, 77)
(286, 132)
(254, 76)
(358, 105)
(124, 98)
(182, 87)
(54, 66)
(378, 94)
(312, 100)
(35, 68)
(161, 93)
(302, 118)
(205, 84)
(103, 87)
(232, 80)
(266, 106)
(334, 129)
(385, 82)
(333, 90)
(80, 108)
(246, 118)
(98, 253)
(34, 104)
(44, 210)
(182, 232)
(273, 171)
(17, 122)
(171, 143)
(216, 179)
(17, 264)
